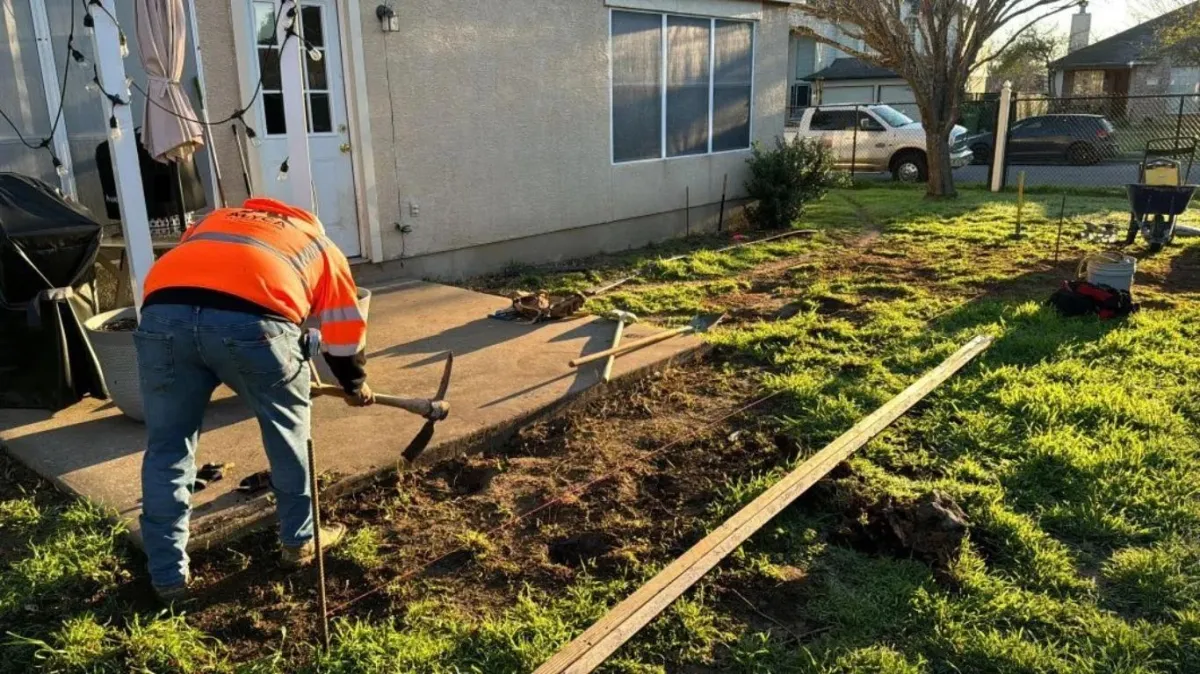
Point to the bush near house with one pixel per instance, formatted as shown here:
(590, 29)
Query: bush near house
(785, 178)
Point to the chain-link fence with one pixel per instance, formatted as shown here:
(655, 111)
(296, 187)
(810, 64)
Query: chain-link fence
(1095, 141)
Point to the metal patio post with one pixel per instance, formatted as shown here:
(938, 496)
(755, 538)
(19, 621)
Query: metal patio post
(122, 143)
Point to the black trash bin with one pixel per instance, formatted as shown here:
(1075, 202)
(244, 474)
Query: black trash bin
(48, 250)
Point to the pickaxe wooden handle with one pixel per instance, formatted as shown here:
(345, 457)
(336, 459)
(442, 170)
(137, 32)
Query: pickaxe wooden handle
(422, 407)
(631, 346)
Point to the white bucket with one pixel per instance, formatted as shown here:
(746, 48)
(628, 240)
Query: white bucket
(1110, 268)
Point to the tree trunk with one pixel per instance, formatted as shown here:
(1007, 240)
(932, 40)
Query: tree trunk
(937, 150)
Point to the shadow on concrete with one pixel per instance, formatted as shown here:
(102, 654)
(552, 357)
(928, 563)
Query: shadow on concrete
(484, 333)
(66, 449)
(585, 376)
(463, 339)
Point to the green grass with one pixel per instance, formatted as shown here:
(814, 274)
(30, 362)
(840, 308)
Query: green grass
(1073, 446)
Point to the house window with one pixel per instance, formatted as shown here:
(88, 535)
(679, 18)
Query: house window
(1089, 83)
(681, 85)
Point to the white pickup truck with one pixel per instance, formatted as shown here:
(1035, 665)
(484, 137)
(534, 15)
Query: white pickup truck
(876, 138)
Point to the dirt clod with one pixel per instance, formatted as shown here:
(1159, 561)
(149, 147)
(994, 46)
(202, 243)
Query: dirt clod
(464, 478)
(582, 547)
(930, 527)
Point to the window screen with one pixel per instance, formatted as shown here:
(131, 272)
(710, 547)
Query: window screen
(698, 101)
(636, 86)
(732, 84)
(687, 85)
(22, 94)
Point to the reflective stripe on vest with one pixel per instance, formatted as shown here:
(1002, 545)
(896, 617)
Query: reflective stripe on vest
(297, 262)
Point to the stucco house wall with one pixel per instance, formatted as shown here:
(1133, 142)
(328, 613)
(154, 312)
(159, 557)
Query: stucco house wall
(490, 123)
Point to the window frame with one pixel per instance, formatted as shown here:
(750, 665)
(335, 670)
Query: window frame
(664, 46)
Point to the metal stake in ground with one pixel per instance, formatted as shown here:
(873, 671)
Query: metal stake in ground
(1062, 213)
(721, 217)
(1020, 200)
(316, 516)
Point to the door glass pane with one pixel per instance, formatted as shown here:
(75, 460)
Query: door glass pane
(264, 23)
(687, 85)
(273, 111)
(316, 74)
(320, 118)
(21, 95)
(636, 86)
(312, 28)
(268, 64)
(733, 74)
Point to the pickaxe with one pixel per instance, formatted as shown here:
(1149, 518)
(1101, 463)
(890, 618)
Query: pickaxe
(432, 409)
(702, 323)
(622, 318)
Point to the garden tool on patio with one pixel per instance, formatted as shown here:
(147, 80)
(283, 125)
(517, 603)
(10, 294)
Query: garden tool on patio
(622, 318)
(701, 323)
(433, 409)
(541, 306)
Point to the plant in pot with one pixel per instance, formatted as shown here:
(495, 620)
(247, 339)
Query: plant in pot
(111, 335)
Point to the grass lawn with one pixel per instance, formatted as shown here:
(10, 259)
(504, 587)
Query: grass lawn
(1072, 447)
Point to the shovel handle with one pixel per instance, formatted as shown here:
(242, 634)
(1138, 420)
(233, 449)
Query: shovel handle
(630, 346)
(421, 407)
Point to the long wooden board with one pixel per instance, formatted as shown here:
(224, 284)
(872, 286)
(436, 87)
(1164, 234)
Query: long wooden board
(603, 638)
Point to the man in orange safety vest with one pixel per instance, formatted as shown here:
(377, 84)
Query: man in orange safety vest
(226, 306)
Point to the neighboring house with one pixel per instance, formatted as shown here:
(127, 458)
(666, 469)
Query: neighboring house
(464, 136)
(820, 74)
(1130, 63)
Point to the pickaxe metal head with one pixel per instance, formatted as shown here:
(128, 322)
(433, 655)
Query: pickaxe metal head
(622, 317)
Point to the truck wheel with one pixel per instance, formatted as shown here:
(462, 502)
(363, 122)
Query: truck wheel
(981, 154)
(910, 167)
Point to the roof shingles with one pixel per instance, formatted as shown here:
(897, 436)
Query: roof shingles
(1127, 48)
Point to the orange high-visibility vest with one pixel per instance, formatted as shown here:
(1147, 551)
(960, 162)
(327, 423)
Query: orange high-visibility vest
(275, 256)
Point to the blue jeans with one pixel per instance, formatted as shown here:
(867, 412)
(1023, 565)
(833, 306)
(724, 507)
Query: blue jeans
(183, 353)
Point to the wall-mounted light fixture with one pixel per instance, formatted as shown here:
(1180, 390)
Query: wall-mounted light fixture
(388, 21)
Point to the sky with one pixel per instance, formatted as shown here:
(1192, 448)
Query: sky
(1110, 17)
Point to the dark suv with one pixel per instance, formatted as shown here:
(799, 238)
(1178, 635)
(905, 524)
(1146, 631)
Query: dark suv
(1053, 139)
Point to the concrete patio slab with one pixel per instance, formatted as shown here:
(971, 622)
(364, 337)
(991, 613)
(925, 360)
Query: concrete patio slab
(505, 375)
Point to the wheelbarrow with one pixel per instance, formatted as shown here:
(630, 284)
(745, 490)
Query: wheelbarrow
(1153, 210)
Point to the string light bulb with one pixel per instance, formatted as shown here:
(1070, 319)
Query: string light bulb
(124, 46)
(93, 85)
(255, 139)
(80, 59)
(314, 53)
(114, 128)
(283, 172)
(59, 167)
(89, 24)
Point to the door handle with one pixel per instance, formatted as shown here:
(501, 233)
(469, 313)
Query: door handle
(344, 147)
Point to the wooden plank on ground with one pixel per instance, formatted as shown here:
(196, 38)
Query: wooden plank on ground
(603, 638)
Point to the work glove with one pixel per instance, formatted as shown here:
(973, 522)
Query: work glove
(362, 397)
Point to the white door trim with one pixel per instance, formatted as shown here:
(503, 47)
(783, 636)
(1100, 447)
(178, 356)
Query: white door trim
(246, 82)
(358, 116)
(366, 188)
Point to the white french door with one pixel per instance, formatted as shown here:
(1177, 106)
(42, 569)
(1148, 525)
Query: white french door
(328, 125)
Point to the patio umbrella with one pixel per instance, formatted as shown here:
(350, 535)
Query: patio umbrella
(168, 131)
